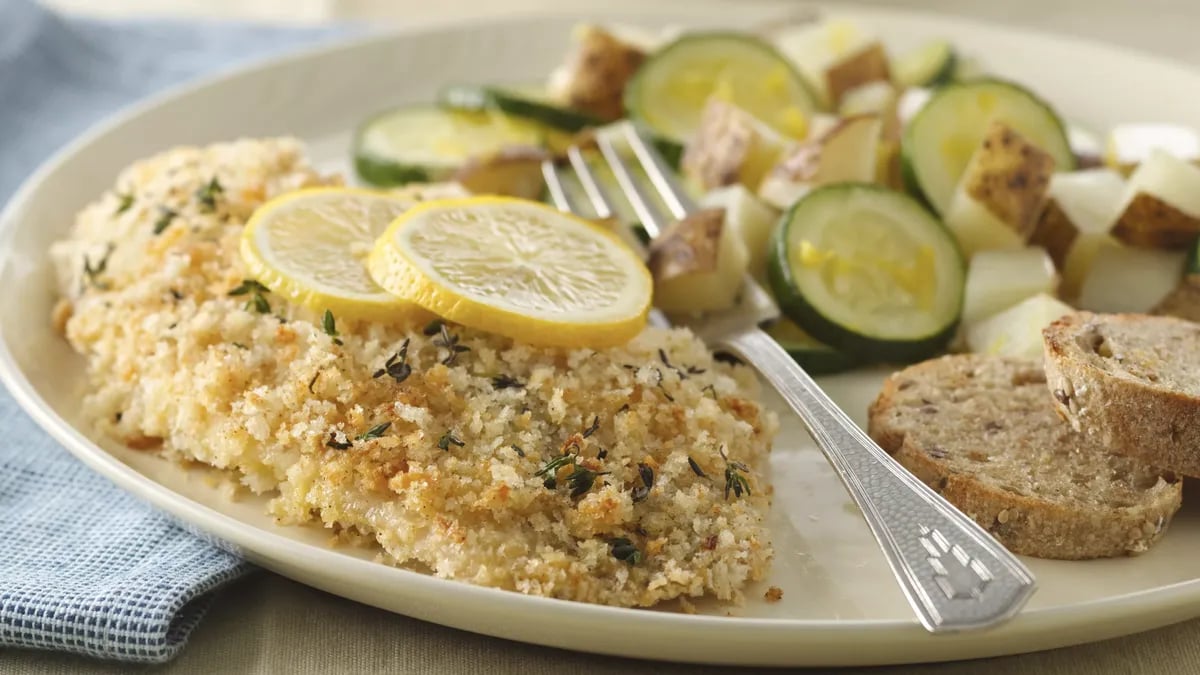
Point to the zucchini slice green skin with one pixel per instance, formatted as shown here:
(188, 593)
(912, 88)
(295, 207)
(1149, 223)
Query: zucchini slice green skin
(952, 110)
(867, 345)
(932, 64)
(476, 98)
(383, 161)
(383, 173)
(640, 91)
(815, 358)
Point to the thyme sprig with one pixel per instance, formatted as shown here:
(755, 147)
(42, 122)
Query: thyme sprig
(257, 291)
(397, 365)
(735, 479)
(449, 341)
(550, 469)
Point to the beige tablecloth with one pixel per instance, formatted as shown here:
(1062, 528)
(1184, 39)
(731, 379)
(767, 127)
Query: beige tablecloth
(267, 624)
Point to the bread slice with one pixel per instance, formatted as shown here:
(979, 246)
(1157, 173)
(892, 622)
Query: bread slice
(1131, 382)
(982, 431)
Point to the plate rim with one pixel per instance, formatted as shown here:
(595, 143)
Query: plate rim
(232, 533)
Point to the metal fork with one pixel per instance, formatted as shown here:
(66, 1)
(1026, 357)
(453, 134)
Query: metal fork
(954, 574)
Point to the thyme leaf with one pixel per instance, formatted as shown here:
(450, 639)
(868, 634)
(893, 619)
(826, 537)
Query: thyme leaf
(517, 449)
(124, 201)
(374, 432)
(647, 474)
(330, 326)
(207, 195)
(506, 382)
(624, 550)
(92, 273)
(582, 479)
(259, 303)
(593, 428)
(249, 286)
(432, 328)
(722, 356)
(164, 219)
(696, 467)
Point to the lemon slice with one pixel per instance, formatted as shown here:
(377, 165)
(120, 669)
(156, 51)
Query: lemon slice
(516, 268)
(311, 245)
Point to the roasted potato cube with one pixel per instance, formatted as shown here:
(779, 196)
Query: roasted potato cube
(698, 264)
(1055, 233)
(1150, 222)
(869, 64)
(731, 146)
(594, 76)
(1002, 192)
(847, 152)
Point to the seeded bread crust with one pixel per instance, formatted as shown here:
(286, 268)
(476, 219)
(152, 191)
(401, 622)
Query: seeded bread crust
(983, 433)
(1131, 382)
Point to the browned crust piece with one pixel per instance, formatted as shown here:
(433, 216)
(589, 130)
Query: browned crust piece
(1054, 232)
(1149, 222)
(1011, 178)
(1027, 524)
(867, 65)
(1140, 414)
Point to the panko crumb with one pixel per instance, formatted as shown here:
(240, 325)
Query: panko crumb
(773, 594)
(457, 482)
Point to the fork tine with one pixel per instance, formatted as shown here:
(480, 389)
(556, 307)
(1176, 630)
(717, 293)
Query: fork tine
(601, 202)
(554, 184)
(662, 177)
(651, 219)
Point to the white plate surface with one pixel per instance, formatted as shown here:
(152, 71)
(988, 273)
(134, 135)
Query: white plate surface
(840, 603)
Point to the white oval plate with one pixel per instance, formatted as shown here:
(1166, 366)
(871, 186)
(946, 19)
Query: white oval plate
(840, 603)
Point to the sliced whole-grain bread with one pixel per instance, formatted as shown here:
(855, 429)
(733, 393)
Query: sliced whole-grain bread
(983, 432)
(1131, 382)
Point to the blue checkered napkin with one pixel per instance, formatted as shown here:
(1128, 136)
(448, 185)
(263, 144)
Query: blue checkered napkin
(84, 567)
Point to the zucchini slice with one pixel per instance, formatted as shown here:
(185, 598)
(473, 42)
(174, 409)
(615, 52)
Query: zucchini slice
(942, 137)
(671, 88)
(475, 98)
(933, 63)
(424, 143)
(813, 356)
(869, 272)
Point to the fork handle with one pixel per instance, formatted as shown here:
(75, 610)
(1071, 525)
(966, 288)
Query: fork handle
(954, 574)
